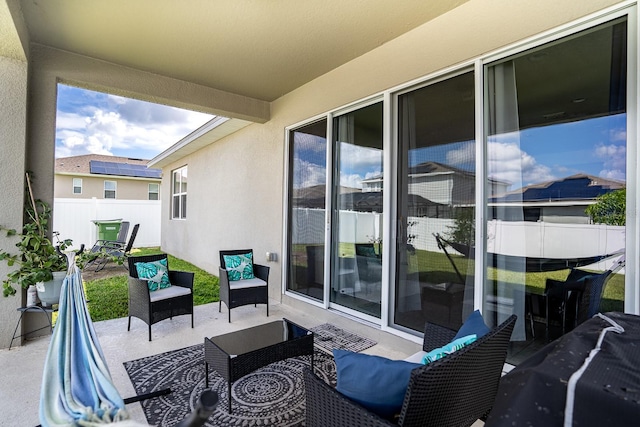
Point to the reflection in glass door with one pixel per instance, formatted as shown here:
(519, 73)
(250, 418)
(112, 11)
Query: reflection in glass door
(556, 137)
(306, 210)
(357, 211)
(435, 204)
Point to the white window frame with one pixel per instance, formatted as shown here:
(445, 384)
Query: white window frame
(156, 192)
(177, 196)
(76, 183)
(115, 189)
(628, 9)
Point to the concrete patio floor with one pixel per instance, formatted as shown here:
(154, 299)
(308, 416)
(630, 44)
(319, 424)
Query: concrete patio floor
(22, 366)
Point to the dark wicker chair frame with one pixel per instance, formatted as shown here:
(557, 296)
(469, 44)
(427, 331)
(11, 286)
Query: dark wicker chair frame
(456, 390)
(574, 300)
(244, 296)
(140, 304)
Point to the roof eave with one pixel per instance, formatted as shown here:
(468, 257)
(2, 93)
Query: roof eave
(210, 132)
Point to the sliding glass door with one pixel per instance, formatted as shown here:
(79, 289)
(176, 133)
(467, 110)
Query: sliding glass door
(356, 235)
(556, 139)
(435, 204)
(307, 213)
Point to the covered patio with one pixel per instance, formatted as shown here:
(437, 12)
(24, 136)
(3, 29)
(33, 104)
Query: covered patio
(22, 373)
(270, 71)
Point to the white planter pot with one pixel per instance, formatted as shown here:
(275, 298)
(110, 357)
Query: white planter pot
(49, 292)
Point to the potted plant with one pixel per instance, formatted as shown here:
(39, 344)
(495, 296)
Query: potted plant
(36, 257)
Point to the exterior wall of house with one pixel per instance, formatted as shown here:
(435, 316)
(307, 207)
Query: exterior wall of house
(93, 186)
(236, 185)
(13, 92)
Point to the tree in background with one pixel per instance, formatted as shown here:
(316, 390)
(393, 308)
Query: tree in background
(609, 208)
(463, 231)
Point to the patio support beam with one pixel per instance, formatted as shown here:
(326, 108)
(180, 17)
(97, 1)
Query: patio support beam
(49, 66)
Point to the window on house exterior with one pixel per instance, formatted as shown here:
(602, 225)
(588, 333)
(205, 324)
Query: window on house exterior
(110, 189)
(179, 193)
(77, 185)
(154, 191)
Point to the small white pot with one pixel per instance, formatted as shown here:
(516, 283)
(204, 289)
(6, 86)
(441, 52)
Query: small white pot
(49, 292)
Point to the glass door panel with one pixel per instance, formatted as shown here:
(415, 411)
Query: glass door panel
(357, 211)
(307, 214)
(556, 149)
(435, 204)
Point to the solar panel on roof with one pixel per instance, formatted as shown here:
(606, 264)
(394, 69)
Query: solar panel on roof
(123, 169)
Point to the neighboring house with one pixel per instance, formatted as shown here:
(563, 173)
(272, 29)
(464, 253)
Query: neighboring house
(93, 187)
(357, 95)
(106, 177)
(559, 201)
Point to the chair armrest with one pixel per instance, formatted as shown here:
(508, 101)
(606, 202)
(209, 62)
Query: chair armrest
(181, 278)
(436, 336)
(138, 290)
(261, 272)
(327, 407)
(223, 278)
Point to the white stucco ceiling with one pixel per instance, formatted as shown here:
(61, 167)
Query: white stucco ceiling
(262, 49)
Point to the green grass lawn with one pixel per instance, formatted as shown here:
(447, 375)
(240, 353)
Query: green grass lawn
(108, 298)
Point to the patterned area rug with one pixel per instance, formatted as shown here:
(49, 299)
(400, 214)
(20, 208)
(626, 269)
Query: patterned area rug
(273, 395)
(328, 337)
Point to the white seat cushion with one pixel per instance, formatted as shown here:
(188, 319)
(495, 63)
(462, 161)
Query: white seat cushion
(247, 283)
(170, 292)
(416, 357)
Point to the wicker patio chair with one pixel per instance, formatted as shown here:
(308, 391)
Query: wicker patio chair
(456, 390)
(573, 301)
(152, 307)
(243, 292)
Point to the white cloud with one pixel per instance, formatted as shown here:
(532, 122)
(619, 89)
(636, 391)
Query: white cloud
(351, 180)
(308, 174)
(357, 157)
(614, 159)
(507, 162)
(123, 127)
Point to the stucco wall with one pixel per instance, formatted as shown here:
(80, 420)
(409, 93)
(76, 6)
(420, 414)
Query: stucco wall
(13, 93)
(236, 184)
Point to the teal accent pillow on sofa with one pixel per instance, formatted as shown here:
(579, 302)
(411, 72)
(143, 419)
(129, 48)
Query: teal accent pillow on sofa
(377, 383)
(155, 273)
(239, 267)
(445, 350)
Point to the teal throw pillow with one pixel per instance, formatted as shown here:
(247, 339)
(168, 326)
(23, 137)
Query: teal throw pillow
(239, 267)
(453, 346)
(155, 273)
(474, 325)
(377, 383)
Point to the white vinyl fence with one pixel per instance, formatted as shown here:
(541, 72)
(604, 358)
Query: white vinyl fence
(520, 238)
(73, 219)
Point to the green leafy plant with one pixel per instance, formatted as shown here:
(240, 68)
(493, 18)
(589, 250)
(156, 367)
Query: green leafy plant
(36, 255)
(609, 208)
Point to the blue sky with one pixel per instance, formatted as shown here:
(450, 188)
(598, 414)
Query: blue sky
(595, 146)
(89, 122)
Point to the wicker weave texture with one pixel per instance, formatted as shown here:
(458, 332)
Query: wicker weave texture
(140, 304)
(456, 390)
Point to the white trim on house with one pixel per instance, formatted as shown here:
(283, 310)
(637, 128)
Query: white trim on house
(389, 97)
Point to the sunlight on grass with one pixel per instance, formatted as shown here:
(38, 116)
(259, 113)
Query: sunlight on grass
(108, 297)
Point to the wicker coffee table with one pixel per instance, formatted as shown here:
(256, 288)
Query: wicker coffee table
(239, 353)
